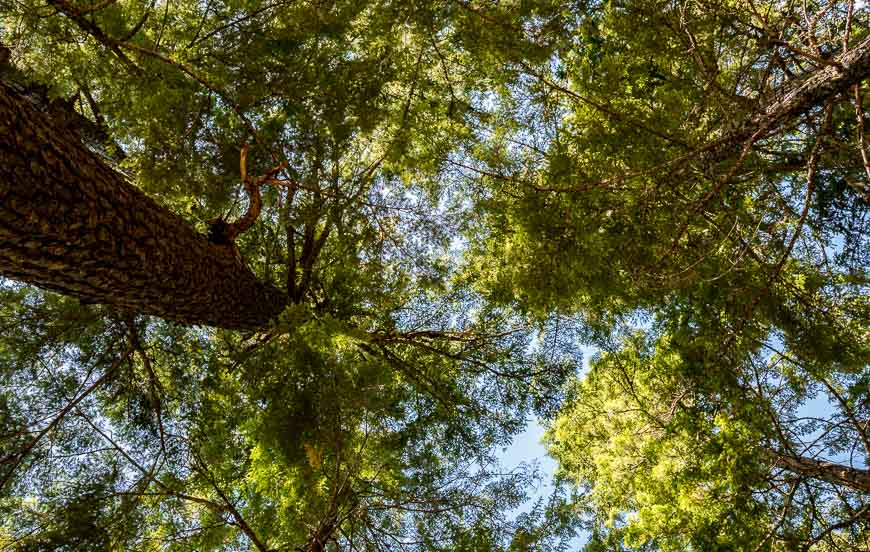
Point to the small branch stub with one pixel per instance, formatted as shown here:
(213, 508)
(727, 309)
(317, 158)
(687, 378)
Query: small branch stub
(222, 232)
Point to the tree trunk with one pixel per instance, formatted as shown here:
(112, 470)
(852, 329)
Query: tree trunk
(796, 98)
(71, 224)
(838, 474)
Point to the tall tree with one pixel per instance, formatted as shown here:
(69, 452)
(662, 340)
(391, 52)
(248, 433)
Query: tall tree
(296, 198)
(663, 463)
(407, 208)
(70, 223)
(699, 170)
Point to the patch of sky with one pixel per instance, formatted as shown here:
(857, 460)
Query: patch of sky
(818, 418)
(527, 450)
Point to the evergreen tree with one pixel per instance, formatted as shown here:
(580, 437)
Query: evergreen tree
(283, 275)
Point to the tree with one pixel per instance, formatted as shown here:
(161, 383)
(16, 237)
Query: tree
(674, 161)
(72, 224)
(404, 217)
(661, 464)
(698, 170)
(321, 436)
(357, 394)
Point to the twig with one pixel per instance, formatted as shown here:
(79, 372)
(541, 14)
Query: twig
(21, 454)
(862, 140)
(240, 521)
(96, 7)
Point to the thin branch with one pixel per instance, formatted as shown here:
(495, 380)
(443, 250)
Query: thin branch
(812, 167)
(94, 31)
(786, 505)
(138, 26)
(862, 513)
(96, 7)
(234, 22)
(149, 475)
(615, 115)
(240, 521)
(847, 35)
(17, 457)
(862, 140)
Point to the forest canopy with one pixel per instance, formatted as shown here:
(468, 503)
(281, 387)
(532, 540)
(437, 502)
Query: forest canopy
(286, 275)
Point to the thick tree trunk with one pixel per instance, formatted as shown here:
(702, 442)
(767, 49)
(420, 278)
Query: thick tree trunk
(71, 224)
(838, 474)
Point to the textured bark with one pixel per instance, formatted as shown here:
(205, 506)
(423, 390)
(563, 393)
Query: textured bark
(837, 474)
(795, 99)
(71, 224)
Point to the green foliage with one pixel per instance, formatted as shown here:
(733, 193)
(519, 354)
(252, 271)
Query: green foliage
(663, 466)
(665, 458)
(465, 193)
